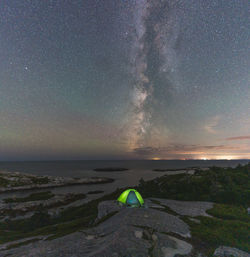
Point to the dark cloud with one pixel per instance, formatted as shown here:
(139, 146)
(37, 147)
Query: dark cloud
(179, 149)
(238, 138)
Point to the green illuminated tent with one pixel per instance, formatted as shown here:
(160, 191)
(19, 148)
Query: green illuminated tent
(131, 197)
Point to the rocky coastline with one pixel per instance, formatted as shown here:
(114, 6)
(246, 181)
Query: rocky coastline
(16, 181)
(192, 214)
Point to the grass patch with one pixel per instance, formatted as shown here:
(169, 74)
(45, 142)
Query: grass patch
(70, 199)
(230, 212)
(66, 228)
(224, 229)
(32, 197)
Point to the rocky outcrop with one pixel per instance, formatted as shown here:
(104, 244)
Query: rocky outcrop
(176, 246)
(188, 208)
(23, 207)
(132, 232)
(225, 251)
(106, 207)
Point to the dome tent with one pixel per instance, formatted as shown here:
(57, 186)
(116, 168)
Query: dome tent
(131, 198)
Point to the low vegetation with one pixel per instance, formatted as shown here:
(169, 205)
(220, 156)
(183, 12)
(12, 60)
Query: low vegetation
(67, 199)
(230, 212)
(32, 197)
(220, 185)
(41, 223)
(225, 228)
(3, 182)
(40, 180)
(176, 169)
(228, 187)
(8, 179)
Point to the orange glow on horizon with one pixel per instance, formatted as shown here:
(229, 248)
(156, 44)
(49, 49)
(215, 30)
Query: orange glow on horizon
(204, 157)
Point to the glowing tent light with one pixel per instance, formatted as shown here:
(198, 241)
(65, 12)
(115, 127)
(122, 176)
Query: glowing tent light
(131, 198)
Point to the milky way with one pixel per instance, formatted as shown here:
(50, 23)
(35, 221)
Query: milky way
(153, 59)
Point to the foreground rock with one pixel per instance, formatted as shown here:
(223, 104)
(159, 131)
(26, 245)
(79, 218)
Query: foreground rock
(128, 232)
(15, 181)
(135, 232)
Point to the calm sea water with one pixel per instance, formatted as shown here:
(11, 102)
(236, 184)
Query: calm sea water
(130, 178)
(76, 168)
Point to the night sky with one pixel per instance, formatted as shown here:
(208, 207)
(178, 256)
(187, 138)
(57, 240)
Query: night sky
(124, 79)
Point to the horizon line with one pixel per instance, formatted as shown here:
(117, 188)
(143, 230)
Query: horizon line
(61, 160)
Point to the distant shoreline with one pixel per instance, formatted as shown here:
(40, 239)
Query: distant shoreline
(15, 181)
(110, 169)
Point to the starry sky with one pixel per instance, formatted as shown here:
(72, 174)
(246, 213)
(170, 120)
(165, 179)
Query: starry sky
(124, 79)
